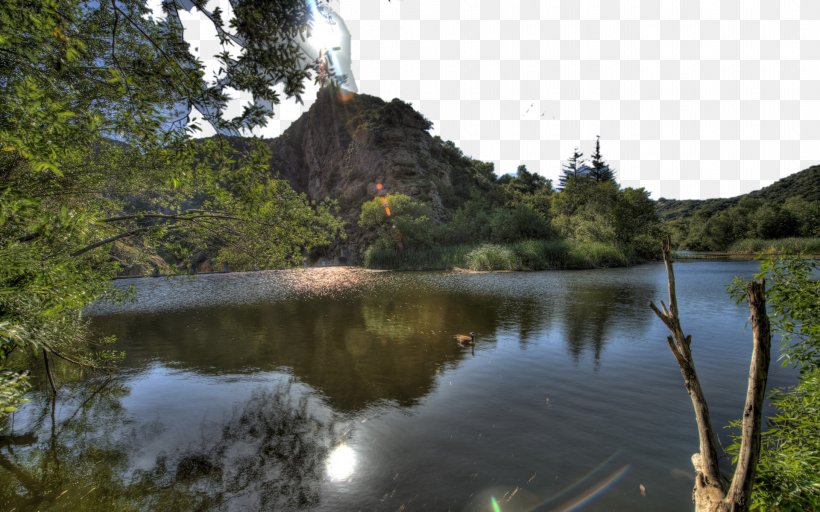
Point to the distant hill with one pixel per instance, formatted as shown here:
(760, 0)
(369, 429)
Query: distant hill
(805, 184)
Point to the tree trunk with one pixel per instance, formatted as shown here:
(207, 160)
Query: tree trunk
(710, 493)
(738, 497)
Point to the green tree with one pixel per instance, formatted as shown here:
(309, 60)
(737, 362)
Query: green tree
(600, 170)
(636, 222)
(570, 169)
(94, 100)
(773, 222)
(530, 190)
(593, 211)
(806, 214)
(399, 221)
(585, 210)
(524, 181)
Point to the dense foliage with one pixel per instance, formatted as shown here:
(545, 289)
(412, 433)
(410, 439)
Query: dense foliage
(94, 98)
(788, 208)
(750, 218)
(788, 473)
(517, 222)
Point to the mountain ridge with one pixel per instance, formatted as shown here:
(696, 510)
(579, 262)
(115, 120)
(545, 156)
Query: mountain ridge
(805, 184)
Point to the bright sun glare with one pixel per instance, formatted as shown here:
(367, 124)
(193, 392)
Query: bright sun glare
(341, 463)
(322, 36)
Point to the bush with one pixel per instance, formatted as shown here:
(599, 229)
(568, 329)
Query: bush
(543, 254)
(491, 257)
(518, 223)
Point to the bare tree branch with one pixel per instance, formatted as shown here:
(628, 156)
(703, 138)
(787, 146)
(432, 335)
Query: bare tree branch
(89, 247)
(679, 344)
(711, 494)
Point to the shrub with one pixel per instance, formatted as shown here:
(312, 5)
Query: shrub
(543, 254)
(491, 257)
(518, 223)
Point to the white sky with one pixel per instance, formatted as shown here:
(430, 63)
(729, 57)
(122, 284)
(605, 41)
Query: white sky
(692, 98)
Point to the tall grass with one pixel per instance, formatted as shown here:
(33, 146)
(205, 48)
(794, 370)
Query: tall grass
(524, 255)
(568, 254)
(782, 245)
(433, 258)
(492, 257)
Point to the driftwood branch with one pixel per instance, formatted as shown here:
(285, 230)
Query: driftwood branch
(711, 492)
(679, 345)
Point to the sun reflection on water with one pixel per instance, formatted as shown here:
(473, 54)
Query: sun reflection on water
(341, 463)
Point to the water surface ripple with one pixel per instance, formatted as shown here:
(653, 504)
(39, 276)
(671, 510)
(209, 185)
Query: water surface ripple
(342, 389)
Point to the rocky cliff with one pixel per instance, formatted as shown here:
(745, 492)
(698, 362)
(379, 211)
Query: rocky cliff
(346, 144)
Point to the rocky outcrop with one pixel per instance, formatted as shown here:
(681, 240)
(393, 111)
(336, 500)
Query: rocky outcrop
(348, 143)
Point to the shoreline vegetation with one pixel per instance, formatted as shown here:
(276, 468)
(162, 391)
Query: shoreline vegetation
(525, 255)
(755, 248)
(540, 255)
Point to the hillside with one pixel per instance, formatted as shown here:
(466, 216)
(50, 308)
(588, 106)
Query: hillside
(804, 184)
(788, 211)
(342, 147)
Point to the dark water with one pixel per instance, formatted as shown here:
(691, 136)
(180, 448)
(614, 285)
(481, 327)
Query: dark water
(343, 390)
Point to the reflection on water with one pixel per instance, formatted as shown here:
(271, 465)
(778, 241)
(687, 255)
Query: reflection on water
(341, 463)
(268, 455)
(343, 389)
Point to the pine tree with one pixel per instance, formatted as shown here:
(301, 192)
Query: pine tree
(570, 169)
(600, 169)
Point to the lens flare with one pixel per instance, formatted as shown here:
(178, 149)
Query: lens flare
(589, 495)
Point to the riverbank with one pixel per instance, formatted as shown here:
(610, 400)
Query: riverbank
(754, 248)
(524, 255)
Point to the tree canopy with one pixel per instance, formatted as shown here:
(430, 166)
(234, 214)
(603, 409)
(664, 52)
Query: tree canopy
(95, 152)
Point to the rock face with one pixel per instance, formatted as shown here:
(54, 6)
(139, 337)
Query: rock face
(348, 143)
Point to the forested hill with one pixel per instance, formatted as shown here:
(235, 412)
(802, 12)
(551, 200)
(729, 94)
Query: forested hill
(804, 184)
(787, 209)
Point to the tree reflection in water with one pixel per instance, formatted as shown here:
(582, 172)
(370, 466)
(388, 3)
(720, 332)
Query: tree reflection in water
(270, 455)
(591, 312)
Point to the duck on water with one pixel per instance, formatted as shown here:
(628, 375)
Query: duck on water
(465, 340)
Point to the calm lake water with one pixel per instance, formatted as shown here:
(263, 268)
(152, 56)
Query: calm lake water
(341, 390)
